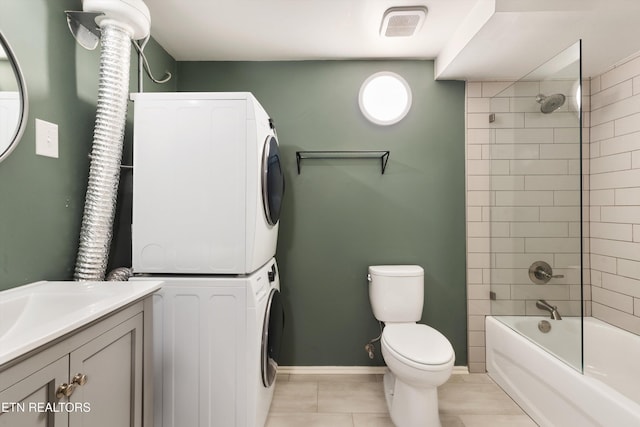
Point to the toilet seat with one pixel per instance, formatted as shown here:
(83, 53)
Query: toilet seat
(419, 346)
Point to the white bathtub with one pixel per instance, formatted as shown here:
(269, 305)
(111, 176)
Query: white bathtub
(552, 392)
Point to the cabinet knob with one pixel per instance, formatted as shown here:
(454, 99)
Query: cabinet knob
(79, 379)
(65, 390)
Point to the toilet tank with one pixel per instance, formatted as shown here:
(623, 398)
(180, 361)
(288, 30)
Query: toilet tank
(396, 292)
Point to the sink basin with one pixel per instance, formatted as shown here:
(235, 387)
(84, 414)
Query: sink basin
(34, 314)
(10, 311)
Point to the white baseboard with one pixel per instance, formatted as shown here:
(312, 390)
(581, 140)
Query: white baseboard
(331, 370)
(346, 370)
(460, 370)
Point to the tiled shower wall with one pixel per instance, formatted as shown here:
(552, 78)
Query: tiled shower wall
(615, 195)
(527, 210)
(478, 138)
(611, 131)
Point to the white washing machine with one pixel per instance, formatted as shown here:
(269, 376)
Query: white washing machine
(207, 183)
(216, 349)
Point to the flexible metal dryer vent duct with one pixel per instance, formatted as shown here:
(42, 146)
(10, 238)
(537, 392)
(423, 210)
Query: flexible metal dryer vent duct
(119, 21)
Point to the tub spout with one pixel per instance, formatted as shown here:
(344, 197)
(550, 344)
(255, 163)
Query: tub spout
(552, 309)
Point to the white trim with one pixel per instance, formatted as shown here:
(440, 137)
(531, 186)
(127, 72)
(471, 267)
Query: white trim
(331, 370)
(460, 370)
(346, 370)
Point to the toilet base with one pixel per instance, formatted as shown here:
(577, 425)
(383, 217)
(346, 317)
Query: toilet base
(410, 406)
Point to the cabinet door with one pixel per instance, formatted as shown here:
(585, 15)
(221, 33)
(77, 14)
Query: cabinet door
(29, 398)
(112, 364)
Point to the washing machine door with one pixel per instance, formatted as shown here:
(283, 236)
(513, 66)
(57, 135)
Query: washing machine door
(272, 180)
(272, 337)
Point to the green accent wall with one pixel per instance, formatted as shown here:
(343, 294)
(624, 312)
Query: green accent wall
(41, 198)
(340, 216)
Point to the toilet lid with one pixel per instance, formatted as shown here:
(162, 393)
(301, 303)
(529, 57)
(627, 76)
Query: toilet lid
(418, 343)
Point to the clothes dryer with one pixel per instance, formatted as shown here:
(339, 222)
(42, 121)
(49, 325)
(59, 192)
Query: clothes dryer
(208, 183)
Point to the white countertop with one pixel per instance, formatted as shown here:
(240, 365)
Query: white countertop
(35, 314)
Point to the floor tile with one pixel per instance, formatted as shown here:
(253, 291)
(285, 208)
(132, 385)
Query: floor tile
(466, 398)
(355, 397)
(343, 378)
(497, 421)
(451, 421)
(295, 396)
(282, 377)
(372, 420)
(470, 379)
(309, 420)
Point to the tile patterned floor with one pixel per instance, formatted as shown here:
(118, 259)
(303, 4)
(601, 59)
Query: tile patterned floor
(472, 400)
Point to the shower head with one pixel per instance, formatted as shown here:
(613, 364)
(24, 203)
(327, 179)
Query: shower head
(549, 104)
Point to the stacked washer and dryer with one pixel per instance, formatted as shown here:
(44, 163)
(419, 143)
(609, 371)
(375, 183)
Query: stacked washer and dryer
(207, 193)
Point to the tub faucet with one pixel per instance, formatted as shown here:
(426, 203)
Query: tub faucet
(552, 309)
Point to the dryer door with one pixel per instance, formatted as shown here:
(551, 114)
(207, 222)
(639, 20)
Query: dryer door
(272, 337)
(272, 180)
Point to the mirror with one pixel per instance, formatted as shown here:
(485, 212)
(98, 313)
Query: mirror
(13, 100)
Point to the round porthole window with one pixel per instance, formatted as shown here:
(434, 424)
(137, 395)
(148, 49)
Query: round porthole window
(385, 98)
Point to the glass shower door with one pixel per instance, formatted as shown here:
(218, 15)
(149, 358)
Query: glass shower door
(535, 206)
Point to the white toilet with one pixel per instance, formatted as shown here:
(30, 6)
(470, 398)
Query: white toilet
(419, 358)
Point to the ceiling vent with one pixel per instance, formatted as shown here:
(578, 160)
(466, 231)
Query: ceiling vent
(402, 21)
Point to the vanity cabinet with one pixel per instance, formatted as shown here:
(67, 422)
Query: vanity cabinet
(36, 389)
(92, 378)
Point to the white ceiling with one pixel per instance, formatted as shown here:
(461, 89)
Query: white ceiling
(468, 39)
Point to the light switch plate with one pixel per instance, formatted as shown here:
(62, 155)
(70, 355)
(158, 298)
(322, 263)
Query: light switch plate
(46, 139)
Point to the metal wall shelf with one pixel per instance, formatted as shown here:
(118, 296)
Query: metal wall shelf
(340, 154)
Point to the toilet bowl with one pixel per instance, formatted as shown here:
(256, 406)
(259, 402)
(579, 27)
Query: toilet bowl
(419, 358)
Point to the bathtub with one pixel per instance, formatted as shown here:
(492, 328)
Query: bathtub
(551, 389)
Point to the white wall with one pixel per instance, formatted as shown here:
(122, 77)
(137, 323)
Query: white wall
(615, 195)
